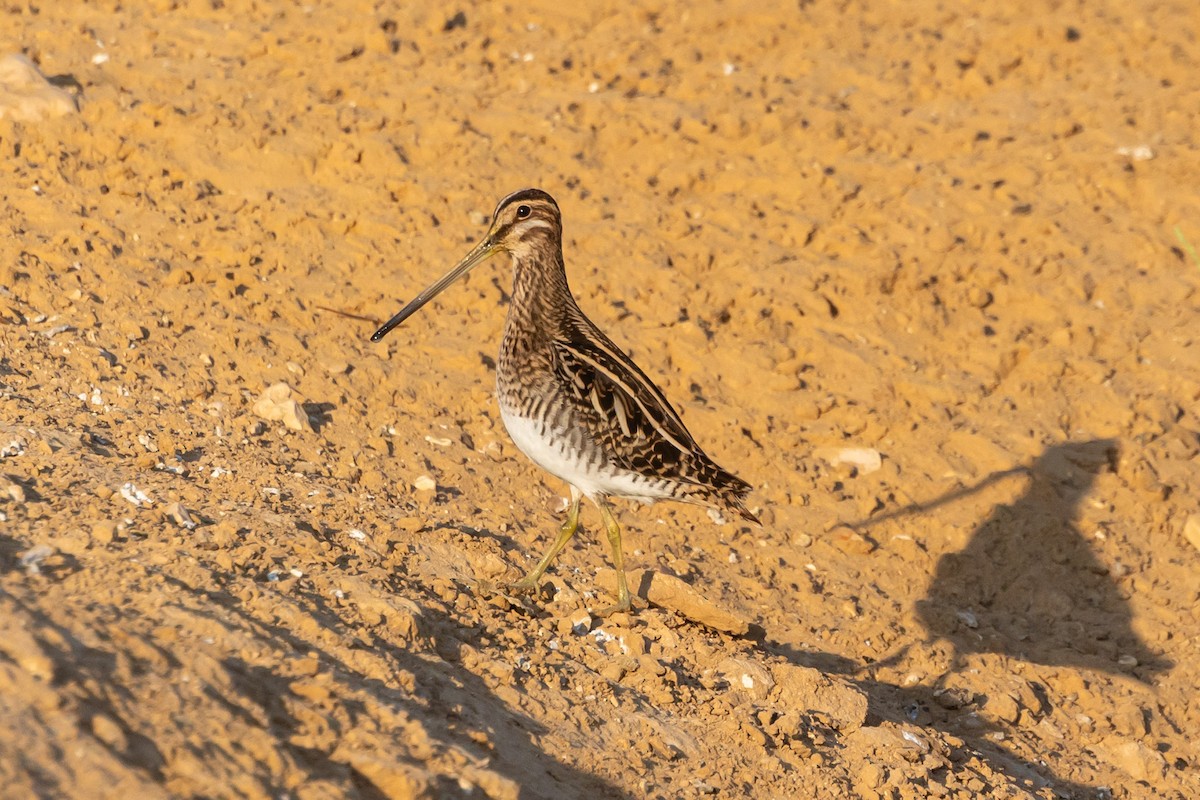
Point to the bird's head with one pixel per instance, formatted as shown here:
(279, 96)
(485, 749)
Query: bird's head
(524, 224)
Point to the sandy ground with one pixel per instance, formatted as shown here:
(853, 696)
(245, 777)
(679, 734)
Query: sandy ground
(956, 238)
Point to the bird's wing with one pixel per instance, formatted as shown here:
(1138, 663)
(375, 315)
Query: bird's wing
(628, 415)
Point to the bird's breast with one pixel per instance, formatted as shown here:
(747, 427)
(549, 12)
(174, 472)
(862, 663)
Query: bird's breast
(567, 451)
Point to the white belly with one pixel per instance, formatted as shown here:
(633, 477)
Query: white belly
(555, 455)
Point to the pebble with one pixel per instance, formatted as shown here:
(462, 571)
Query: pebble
(179, 277)
(870, 776)
(277, 404)
(26, 95)
(1140, 762)
(979, 297)
(445, 589)
(1137, 152)
(651, 665)
(108, 731)
(135, 495)
(1191, 530)
(614, 672)
(104, 531)
(865, 459)
(20, 646)
(803, 687)
(132, 331)
(968, 618)
(32, 558)
(491, 783)
(393, 779)
(225, 533)
(1003, 706)
(952, 698)
(667, 591)
(749, 681)
(633, 644)
(13, 489)
(581, 622)
(850, 541)
(424, 483)
(180, 515)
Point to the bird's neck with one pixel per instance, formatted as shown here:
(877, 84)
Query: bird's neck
(541, 299)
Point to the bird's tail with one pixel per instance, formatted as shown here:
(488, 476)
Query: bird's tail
(734, 501)
(727, 495)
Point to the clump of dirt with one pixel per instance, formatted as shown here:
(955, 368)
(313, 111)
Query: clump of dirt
(927, 278)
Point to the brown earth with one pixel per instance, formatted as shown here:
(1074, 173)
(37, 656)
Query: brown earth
(956, 237)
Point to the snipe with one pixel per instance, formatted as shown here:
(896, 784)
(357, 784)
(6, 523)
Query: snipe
(571, 400)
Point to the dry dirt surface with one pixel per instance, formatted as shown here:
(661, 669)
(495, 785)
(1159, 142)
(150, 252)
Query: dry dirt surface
(924, 273)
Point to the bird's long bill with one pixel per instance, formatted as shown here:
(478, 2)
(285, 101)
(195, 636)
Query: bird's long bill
(473, 259)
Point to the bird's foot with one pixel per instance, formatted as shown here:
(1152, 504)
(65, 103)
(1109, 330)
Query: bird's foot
(616, 608)
(527, 585)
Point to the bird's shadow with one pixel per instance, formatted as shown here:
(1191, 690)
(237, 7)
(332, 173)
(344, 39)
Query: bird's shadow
(1028, 586)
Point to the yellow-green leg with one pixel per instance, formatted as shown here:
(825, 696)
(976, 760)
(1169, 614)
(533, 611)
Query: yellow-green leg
(529, 583)
(624, 602)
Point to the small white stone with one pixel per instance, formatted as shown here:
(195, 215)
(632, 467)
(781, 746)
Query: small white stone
(865, 459)
(32, 558)
(1140, 152)
(600, 635)
(424, 483)
(135, 495)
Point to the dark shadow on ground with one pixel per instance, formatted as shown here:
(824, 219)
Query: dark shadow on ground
(1028, 586)
(450, 703)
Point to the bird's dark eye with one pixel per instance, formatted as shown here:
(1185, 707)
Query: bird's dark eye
(523, 212)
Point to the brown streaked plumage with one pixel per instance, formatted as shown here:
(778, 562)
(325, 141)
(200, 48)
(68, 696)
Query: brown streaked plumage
(572, 400)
